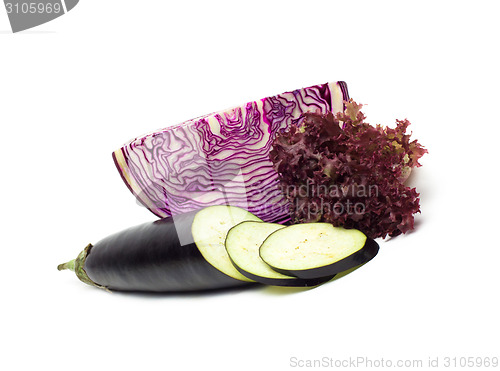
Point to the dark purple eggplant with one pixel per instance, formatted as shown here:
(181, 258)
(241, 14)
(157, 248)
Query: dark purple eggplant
(158, 256)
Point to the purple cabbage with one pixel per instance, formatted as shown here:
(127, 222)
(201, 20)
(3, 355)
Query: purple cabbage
(221, 158)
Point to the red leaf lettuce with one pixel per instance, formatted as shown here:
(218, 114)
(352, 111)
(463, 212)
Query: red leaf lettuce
(341, 170)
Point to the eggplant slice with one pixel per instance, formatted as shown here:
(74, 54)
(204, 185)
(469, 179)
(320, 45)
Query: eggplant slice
(243, 242)
(314, 250)
(209, 230)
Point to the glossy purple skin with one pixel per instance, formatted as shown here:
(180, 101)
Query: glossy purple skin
(150, 258)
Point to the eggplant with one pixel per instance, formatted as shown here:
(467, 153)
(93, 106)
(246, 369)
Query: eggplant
(158, 256)
(314, 250)
(243, 242)
(210, 228)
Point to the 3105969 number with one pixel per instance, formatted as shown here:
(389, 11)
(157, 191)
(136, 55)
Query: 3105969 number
(33, 8)
(470, 362)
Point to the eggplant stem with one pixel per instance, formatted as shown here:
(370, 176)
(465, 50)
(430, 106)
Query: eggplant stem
(77, 266)
(69, 265)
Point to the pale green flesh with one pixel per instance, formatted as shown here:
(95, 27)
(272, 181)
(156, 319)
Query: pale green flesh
(243, 243)
(209, 229)
(310, 245)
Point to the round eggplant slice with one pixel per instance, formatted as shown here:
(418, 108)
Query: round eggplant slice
(314, 250)
(209, 230)
(242, 244)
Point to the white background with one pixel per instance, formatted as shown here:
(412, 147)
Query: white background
(75, 89)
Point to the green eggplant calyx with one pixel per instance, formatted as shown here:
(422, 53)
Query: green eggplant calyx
(77, 265)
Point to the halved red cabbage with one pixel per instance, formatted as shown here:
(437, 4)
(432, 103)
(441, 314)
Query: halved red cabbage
(221, 158)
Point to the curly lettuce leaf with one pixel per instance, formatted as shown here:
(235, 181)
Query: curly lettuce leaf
(342, 170)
